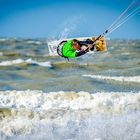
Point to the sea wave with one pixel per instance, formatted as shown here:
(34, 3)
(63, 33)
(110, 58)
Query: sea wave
(74, 114)
(28, 61)
(115, 78)
(1, 53)
(102, 102)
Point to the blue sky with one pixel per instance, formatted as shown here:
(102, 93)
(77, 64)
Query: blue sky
(64, 18)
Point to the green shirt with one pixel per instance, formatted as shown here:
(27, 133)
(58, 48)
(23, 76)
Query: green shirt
(68, 50)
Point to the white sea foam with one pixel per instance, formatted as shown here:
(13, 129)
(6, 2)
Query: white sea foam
(115, 78)
(12, 62)
(34, 42)
(1, 53)
(70, 115)
(28, 61)
(3, 39)
(116, 101)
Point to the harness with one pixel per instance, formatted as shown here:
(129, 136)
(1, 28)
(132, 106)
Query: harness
(59, 49)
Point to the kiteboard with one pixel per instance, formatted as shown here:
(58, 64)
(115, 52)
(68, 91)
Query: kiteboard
(99, 46)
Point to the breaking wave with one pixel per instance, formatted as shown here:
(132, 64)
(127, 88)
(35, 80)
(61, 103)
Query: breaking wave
(28, 61)
(69, 115)
(115, 78)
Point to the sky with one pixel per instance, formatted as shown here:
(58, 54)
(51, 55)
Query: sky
(65, 18)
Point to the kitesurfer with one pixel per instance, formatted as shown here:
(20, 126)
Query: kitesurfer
(73, 48)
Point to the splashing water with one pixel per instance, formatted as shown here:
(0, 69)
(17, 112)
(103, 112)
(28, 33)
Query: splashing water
(69, 26)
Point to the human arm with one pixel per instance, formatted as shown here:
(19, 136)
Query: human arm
(84, 51)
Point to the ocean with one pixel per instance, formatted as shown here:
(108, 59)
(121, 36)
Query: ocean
(93, 97)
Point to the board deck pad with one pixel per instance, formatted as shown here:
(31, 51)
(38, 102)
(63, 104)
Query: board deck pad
(101, 44)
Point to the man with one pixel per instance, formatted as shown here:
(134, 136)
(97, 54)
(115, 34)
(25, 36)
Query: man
(73, 48)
